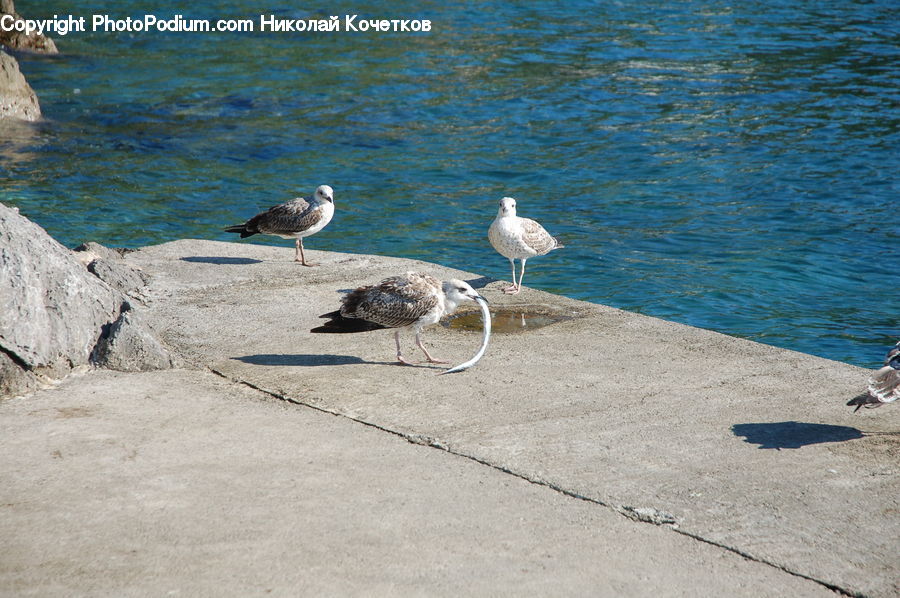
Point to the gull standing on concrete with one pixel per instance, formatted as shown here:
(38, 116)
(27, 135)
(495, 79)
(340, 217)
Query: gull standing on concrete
(295, 219)
(412, 301)
(884, 385)
(514, 237)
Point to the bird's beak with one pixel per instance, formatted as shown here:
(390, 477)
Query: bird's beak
(480, 299)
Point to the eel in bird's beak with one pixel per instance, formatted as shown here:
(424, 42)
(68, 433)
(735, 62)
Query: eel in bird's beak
(485, 337)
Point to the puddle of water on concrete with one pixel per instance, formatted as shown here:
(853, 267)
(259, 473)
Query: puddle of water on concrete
(506, 320)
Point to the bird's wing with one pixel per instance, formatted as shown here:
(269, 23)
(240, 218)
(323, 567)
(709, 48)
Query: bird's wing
(395, 302)
(535, 236)
(884, 385)
(291, 217)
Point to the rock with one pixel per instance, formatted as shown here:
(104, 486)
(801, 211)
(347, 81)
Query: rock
(119, 275)
(649, 515)
(51, 309)
(90, 251)
(129, 346)
(13, 378)
(108, 265)
(54, 312)
(17, 40)
(17, 99)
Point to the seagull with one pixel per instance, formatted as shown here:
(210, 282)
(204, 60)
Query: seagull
(413, 301)
(295, 219)
(884, 385)
(521, 238)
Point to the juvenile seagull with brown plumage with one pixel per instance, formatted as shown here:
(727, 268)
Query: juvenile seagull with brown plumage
(518, 238)
(413, 301)
(295, 219)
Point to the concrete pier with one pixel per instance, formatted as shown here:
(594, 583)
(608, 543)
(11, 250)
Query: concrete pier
(608, 454)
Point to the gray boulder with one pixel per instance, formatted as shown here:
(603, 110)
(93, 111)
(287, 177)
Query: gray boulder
(108, 265)
(128, 345)
(17, 40)
(51, 308)
(14, 379)
(90, 251)
(54, 313)
(119, 275)
(17, 99)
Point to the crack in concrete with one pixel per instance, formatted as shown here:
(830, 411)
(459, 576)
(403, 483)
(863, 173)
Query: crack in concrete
(626, 511)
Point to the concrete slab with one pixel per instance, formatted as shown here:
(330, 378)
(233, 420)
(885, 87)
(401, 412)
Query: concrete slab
(747, 446)
(181, 483)
(755, 476)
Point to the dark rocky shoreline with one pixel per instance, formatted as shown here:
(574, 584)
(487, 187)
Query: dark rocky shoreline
(17, 99)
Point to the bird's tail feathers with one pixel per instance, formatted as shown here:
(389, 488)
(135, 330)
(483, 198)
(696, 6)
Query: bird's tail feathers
(238, 228)
(339, 324)
(242, 229)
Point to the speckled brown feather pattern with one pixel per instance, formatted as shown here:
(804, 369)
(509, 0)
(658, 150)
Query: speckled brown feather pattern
(885, 383)
(287, 218)
(537, 237)
(394, 302)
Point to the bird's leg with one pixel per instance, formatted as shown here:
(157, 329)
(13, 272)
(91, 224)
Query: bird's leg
(521, 276)
(425, 351)
(400, 355)
(512, 289)
(298, 254)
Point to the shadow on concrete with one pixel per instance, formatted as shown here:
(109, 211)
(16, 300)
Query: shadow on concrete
(779, 435)
(861, 401)
(480, 282)
(307, 360)
(221, 260)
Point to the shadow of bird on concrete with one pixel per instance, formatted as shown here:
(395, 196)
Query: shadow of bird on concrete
(793, 435)
(221, 260)
(306, 360)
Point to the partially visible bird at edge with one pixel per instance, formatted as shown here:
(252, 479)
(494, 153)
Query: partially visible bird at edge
(884, 385)
(518, 238)
(294, 219)
(412, 301)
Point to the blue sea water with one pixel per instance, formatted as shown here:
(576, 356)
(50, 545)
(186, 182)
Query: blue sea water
(731, 166)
